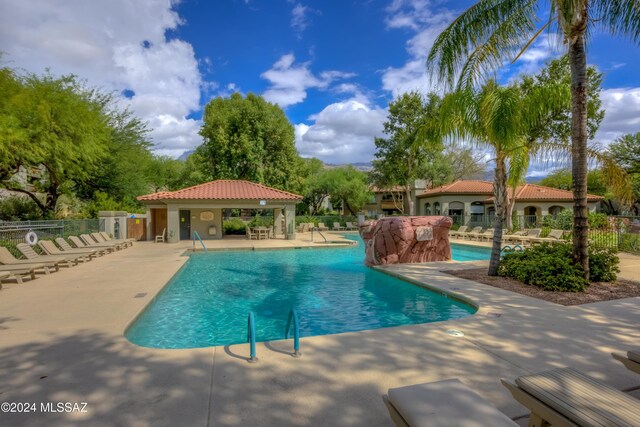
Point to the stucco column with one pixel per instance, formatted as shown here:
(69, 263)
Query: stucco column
(290, 222)
(277, 219)
(217, 220)
(173, 224)
(148, 231)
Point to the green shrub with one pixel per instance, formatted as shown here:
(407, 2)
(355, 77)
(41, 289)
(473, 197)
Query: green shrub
(603, 264)
(261, 221)
(547, 266)
(234, 226)
(598, 221)
(550, 267)
(630, 243)
(17, 208)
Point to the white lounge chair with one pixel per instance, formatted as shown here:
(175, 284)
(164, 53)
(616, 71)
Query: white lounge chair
(30, 254)
(458, 232)
(49, 248)
(7, 258)
(350, 226)
(445, 403)
(567, 397)
(337, 226)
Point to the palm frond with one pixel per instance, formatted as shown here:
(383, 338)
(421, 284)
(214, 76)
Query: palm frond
(496, 23)
(618, 17)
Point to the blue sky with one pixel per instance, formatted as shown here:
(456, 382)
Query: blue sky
(333, 66)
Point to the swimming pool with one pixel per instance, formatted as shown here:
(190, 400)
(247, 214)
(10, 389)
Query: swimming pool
(207, 302)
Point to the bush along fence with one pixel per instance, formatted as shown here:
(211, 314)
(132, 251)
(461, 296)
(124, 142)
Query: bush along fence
(14, 232)
(615, 232)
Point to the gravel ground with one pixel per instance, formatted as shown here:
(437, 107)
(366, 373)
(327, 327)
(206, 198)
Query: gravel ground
(599, 291)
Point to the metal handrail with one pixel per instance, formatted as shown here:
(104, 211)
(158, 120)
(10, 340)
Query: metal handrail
(319, 232)
(195, 234)
(293, 315)
(251, 337)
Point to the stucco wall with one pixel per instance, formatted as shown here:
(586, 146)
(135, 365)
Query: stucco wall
(202, 226)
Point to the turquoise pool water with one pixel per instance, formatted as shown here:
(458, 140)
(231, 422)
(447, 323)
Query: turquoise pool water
(207, 302)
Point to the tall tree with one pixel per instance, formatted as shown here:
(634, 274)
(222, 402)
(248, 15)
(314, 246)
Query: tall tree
(55, 126)
(492, 31)
(498, 119)
(348, 186)
(248, 138)
(405, 155)
(626, 151)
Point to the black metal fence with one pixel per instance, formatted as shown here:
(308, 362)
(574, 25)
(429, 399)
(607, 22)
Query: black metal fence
(16, 231)
(618, 232)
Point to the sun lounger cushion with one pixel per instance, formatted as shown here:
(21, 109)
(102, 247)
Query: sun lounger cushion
(582, 399)
(445, 403)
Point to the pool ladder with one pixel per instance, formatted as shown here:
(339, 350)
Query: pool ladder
(196, 235)
(316, 229)
(291, 321)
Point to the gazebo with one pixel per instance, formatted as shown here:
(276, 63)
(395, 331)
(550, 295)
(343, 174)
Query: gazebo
(199, 208)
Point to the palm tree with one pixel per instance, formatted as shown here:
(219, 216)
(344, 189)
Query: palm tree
(499, 119)
(492, 31)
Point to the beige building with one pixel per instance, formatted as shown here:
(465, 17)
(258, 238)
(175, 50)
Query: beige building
(199, 208)
(474, 199)
(393, 201)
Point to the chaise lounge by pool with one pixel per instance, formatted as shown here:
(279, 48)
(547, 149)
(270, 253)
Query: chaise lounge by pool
(207, 302)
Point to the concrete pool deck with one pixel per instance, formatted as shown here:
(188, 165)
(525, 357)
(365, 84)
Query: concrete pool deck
(61, 340)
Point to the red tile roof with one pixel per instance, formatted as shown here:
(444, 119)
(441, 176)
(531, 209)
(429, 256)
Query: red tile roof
(224, 189)
(539, 192)
(461, 187)
(523, 192)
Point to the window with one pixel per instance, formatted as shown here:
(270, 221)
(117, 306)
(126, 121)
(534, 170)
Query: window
(436, 208)
(427, 208)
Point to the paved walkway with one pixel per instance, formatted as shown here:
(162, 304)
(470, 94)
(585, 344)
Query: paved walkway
(61, 340)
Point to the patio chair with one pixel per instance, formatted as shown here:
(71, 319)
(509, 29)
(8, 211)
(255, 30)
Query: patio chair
(107, 238)
(96, 239)
(458, 232)
(567, 397)
(30, 254)
(337, 226)
(513, 237)
(554, 236)
(349, 226)
(79, 244)
(19, 272)
(102, 241)
(49, 248)
(160, 238)
(91, 243)
(487, 234)
(251, 234)
(534, 233)
(442, 404)
(7, 258)
(631, 361)
(473, 233)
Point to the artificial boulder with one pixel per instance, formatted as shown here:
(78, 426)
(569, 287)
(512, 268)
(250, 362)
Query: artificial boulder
(408, 239)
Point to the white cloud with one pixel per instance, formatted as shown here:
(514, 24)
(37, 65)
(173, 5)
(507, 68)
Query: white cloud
(299, 20)
(115, 45)
(289, 82)
(427, 20)
(622, 113)
(342, 133)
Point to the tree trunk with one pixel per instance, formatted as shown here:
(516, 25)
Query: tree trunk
(578, 61)
(407, 194)
(500, 194)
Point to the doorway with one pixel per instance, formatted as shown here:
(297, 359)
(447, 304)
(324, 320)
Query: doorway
(185, 225)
